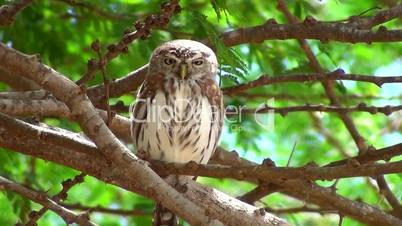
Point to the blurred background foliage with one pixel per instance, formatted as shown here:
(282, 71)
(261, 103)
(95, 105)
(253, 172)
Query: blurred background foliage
(62, 32)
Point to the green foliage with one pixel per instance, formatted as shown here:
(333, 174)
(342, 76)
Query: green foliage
(230, 61)
(62, 35)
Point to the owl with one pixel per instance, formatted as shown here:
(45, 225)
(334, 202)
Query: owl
(178, 114)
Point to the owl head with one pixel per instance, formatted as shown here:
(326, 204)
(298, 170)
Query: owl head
(184, 59)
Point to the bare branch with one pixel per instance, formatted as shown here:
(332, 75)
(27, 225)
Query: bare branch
(62, 195)
(335, 75)
(386, 110)
(251, 215)
(143, 30)
(27, 95)
(100, 209)
(270, 174)
(259, 192)
(118, 87)
(373, 155)
(353, 31)
(41, 198)
(380, 17)
(327, 198)
(301, 209)
(305, 97)
(386, 191)
(54, 108)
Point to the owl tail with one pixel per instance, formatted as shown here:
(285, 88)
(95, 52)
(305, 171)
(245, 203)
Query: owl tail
(164, 217)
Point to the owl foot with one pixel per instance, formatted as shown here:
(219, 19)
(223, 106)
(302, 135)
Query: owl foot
(142, 154)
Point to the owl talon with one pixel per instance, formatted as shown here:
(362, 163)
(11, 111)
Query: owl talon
(141, 154)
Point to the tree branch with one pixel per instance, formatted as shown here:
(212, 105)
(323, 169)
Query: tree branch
(41, 198)
(379, 18)
(143, 30)
(272, 173)
(100, 209)
(386, 110)
(17, 82)
(328, 86)
(97, 165)
(83, 155)
(328, 198)
(301, 209)
(392, 200)
(62, 195)
(353, 31)
(54, 108)
(331, 76)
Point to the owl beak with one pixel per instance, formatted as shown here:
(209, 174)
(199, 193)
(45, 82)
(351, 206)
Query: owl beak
(183, 70)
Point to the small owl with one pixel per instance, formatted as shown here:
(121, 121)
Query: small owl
(178, 114)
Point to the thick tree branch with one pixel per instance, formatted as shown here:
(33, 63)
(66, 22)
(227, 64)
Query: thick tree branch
(41, 198)
(27, 95)
(97, 165)
(85, 157)
(9, 12)
(329, 199)
(17, 82)
(353, 31)
(310, 29)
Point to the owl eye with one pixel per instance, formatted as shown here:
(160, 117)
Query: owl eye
(198, 62)
(169, 61)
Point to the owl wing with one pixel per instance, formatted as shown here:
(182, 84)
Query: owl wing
(215, 97)
(139, 110)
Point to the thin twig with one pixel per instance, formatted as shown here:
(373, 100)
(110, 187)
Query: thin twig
(313, 77)
(41, 198)
(386, 110)
(100, 209)
(143, 30)
(62, 195)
